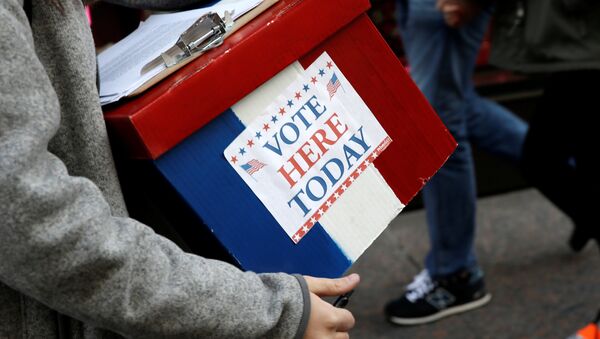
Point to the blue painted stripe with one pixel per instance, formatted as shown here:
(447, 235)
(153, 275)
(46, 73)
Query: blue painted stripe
(197, 169)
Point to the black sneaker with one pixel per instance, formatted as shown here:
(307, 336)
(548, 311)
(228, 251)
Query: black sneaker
(427, 300)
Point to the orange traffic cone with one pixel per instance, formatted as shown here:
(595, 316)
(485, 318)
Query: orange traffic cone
(591, 331)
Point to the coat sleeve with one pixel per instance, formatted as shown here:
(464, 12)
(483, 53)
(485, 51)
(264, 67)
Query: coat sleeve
(161, 4)
(60, 244)
(579, 5)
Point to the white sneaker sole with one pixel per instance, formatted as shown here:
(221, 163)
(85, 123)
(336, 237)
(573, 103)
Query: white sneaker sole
(442, 314)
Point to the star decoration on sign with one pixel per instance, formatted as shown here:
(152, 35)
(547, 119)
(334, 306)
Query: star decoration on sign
(329, 64)
(266, 127)
(273, 119)
(298, 96)
(242, 151)
(250, 143)
(234, 159)
(282, 111)
(313, 80)
(258, 135)
(305, 88)
(290, 103)
(321, 72)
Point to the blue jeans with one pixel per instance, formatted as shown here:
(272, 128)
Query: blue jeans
(442, 60)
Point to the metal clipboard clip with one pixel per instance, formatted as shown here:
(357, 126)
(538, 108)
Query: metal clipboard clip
(206, 33)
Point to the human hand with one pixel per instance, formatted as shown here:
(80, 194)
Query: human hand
(325, 320)
(458, 12)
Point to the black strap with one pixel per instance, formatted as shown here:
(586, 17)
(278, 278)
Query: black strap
(27, 8)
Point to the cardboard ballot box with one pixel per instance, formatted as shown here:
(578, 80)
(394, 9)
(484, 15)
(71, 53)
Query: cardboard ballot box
(181, 128)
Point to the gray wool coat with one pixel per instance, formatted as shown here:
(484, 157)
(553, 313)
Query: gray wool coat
(67, 246)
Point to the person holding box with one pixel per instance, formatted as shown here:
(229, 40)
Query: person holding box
(72, 264)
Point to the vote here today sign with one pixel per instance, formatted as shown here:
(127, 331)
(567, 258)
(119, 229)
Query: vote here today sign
(308, 147)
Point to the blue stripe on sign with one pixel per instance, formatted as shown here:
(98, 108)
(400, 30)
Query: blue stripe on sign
(197, 169)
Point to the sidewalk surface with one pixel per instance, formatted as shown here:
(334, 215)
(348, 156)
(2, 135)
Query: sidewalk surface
(540, 288)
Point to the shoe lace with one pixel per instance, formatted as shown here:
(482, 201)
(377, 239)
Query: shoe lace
(420, 286)
(419, 280)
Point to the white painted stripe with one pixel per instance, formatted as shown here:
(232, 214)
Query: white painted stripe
(361, 213)
(255, 103)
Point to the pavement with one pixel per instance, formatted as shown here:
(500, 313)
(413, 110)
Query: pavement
(540, 288)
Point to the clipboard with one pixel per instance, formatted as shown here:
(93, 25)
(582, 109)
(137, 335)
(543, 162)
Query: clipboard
(237, 24)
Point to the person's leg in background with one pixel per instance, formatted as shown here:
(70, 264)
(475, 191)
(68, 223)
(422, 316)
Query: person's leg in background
(587, 146)
(585, 128)
(441, 61)
(561, 148)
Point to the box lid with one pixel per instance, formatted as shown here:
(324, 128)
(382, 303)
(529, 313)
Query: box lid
(149, 125)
